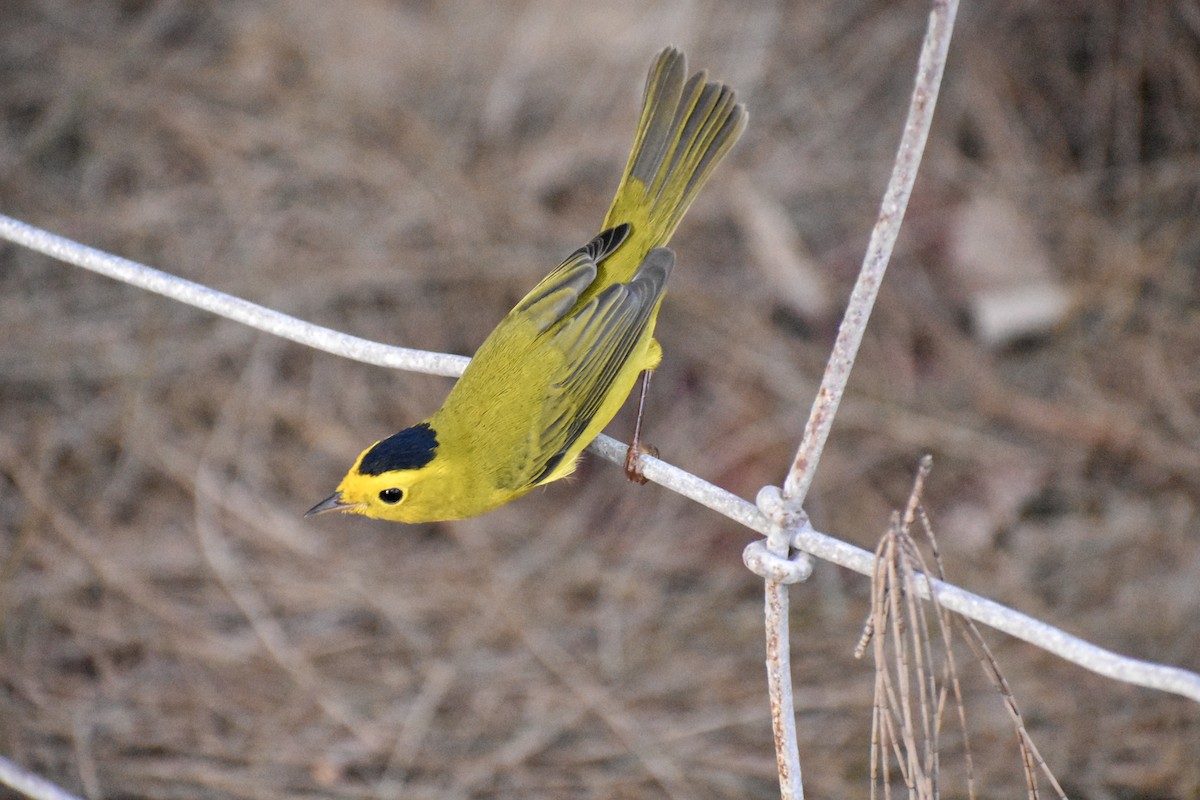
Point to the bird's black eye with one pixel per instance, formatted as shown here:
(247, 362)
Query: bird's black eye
(391, 496)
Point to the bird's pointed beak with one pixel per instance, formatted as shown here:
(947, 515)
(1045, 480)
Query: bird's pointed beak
(332, 503)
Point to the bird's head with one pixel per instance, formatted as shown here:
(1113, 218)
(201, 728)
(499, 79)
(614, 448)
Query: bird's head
(388, 479)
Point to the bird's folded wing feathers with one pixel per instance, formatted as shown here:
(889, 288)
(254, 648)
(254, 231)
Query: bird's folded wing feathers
(556, 294)
(596, 342)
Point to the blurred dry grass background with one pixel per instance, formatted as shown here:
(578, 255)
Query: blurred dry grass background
(404, 171)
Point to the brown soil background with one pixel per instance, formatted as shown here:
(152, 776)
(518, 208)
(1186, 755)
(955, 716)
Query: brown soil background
(171, 627)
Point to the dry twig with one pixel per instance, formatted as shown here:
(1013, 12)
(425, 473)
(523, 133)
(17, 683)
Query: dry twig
(912, 736)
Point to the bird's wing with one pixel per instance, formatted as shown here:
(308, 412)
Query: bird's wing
(556, 294)
(595, 343)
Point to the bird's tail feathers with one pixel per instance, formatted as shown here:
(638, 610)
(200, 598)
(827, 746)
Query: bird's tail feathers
(686, 127)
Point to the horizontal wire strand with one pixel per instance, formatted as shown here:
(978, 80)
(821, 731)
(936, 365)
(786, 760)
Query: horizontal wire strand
(1040, 634)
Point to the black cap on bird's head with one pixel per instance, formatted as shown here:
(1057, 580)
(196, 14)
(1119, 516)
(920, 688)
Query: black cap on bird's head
(411, 448)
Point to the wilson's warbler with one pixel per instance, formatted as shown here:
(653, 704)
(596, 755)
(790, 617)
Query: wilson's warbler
(556, 369)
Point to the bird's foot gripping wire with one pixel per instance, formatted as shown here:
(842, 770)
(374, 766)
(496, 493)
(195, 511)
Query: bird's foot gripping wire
(772, 558)
(633, 466)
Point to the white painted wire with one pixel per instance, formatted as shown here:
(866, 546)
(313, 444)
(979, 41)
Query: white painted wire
(1087, 655)
(1040, 634)
(234, 308)
(30, 785)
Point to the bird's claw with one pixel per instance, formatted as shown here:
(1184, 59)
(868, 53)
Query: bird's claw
(633, 465)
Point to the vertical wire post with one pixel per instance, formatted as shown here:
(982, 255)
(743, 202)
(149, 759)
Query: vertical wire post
(785, 508)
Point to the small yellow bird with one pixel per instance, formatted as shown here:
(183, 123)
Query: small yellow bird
(557, 369)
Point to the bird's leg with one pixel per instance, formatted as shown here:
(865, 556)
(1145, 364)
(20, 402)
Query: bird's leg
(633, 470)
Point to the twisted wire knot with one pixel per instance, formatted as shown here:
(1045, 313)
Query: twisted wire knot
(772, 559)
(779, 569)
